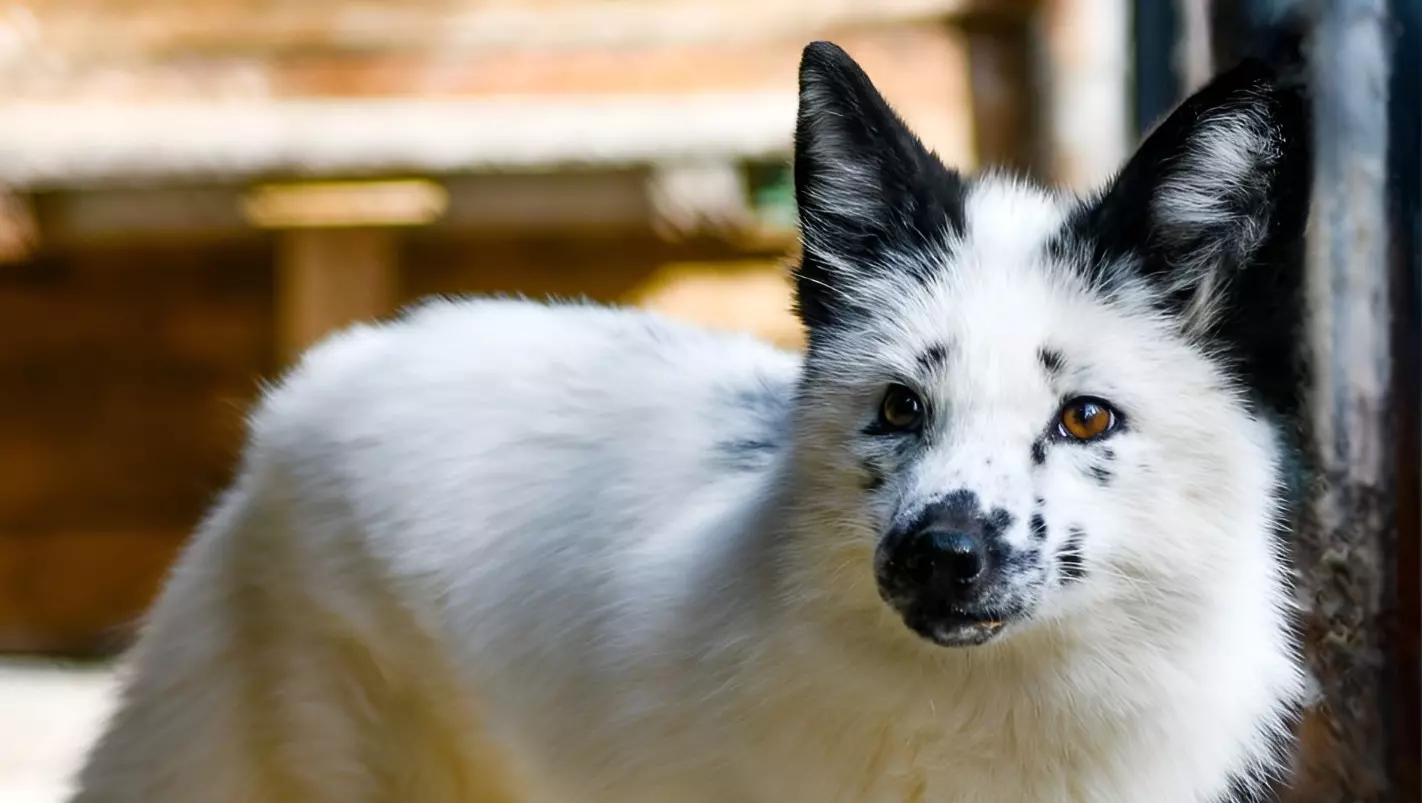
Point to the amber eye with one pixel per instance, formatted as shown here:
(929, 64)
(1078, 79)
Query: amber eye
(1085, 419)
(901, 410)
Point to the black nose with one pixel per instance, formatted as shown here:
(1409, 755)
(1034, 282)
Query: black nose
(954, 557)
(945, 558)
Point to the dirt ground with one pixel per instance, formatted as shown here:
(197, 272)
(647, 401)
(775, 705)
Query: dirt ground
(49, 713)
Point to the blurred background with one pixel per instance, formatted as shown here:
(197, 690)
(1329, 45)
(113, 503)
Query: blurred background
(192, 191)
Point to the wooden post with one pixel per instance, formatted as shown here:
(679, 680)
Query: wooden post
(1000, 70)
(1345, 549)
(19, 233)
(337, 252)
(1086, 70)
(330, 278)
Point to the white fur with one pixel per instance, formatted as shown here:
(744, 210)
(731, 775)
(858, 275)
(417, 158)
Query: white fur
(494, 551)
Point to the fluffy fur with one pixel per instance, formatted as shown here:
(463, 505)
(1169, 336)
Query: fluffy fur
(500, 551)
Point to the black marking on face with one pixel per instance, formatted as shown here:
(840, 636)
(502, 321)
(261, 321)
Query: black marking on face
(1101, 470)
(998, 521)
(1051, 360)
(1073, 566)
(1039, 527)
(962, 505)
(1039, 452)
(867, 192)
(873, 477)
(1022, 561)
(933, 358)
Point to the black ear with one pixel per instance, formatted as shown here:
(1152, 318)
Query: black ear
(1210, 214)
(1214, 190)
(868, 192)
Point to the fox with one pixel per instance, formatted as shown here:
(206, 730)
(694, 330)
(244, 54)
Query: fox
(1011, 526)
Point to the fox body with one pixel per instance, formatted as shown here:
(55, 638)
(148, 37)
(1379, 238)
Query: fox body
(1008, 530)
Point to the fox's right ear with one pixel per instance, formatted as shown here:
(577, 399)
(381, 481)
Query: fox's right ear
(1210, 216)
(865, 186)
(1223, 178)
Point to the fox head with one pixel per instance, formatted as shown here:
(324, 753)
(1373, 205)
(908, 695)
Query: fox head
(1022, 409)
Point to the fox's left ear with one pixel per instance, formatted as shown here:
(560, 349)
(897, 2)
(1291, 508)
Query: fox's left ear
(1214, 199)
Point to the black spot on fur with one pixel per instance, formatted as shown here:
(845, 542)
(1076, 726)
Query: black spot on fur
(998, 521)
(867, 190)
(960, 503)
(873, 478)
(1073, 565)
(933, 358)
(1020, 561)
(1051, 360)
(1039, 453)
(1101, 471)
(1039, 527)
(959, 506)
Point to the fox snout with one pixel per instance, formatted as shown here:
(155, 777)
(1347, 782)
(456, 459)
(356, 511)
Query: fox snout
(948, 570)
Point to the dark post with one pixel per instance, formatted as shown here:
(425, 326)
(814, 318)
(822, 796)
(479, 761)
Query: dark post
(1405, 172)
(1347, 548)
(1157, 38)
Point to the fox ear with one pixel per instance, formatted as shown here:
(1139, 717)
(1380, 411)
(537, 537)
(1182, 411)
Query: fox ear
(1209, 219)
(1212, 193)
(866, 188)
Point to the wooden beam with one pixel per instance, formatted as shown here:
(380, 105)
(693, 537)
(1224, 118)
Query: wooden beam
(81, 33)
(329, 278)
(345, 204)
(589, 200)
(434, 114)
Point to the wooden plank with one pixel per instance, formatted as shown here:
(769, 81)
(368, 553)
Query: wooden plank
(328, 278)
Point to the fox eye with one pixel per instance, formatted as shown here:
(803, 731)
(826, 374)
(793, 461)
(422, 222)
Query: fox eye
(901, 410)
(1087, 419)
